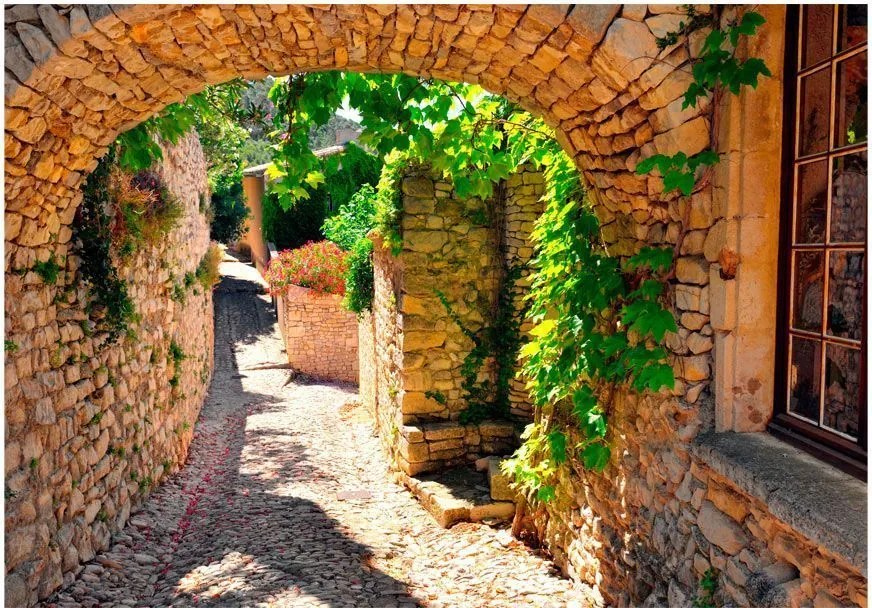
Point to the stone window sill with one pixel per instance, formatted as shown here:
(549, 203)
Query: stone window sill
(822, 503)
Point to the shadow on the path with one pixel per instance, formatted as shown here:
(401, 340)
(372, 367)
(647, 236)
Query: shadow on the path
(242, 527)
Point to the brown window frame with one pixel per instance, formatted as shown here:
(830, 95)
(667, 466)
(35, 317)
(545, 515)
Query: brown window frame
(848, 455)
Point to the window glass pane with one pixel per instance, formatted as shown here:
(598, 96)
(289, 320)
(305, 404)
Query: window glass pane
(808, 287)
(805, 378)
(811, 202)
(817, 33)
(814, 112)
(845, 306)
(850, 196)
(852, 99)
(843, 390)
(852, 25)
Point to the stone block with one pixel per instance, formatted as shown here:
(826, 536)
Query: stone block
(496, 429)
(418, 186)
(499, 482)
(721, 530)
(493, 510)
(423, 340)
(692, 269)
(443, 430)
(414, 452)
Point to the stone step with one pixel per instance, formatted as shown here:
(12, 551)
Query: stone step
(459, 494)
(498, 482)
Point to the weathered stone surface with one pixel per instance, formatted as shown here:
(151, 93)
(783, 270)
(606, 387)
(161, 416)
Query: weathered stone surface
(628, 50)
(720, 530)
(499, 483)
(80, 402)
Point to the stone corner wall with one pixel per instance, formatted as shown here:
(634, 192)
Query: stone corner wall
(320, 335)
(92, 425)
(414, 349)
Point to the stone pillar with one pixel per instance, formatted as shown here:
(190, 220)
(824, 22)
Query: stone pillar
(252, 240)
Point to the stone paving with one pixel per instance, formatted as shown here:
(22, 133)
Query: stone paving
(286, 500)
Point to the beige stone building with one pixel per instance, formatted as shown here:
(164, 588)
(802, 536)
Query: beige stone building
(754, 467)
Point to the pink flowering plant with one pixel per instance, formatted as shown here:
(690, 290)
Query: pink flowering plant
(320, 266)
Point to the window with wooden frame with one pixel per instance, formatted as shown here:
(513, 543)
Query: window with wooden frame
(821, 390)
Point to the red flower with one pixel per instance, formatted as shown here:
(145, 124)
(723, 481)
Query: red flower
(319, 266)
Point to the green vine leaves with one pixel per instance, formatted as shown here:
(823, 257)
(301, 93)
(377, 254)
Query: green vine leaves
(600, 325)
(715, 67)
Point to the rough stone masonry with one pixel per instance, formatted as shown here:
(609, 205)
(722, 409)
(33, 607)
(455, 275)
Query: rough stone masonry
(91, 426)
(78, 75)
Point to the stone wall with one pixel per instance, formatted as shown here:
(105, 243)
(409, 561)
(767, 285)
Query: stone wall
(669, 505)
(77, 75)
(91, 426)
(461, 247)
(366, 362)
(523, 205)
(320, 336)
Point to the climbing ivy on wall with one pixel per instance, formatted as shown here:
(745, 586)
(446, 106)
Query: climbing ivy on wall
(498, 339)
(601, 322)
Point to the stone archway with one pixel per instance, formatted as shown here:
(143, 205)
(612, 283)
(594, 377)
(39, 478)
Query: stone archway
(76, 77)
(75, 80)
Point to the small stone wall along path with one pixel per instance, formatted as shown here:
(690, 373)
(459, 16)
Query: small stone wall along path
(286, 501)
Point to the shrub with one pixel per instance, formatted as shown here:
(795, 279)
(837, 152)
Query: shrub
(207, 271)
(291, 224)
(354, 220)
(299, 224)
(320, 266)
(93, 239)
(359, 284)
(144, 210)
(228, 209)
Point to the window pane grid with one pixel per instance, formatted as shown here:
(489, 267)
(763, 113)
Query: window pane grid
(826, 312)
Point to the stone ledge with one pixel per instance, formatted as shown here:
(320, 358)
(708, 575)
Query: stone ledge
(817, 500)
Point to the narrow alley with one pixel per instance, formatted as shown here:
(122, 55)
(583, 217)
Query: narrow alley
(286, 501)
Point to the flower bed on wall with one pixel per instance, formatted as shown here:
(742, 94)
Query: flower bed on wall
(320, 335)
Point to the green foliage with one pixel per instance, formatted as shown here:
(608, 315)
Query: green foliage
(695, 21)
(474, 138)
(354, 219)
(48, 270)
(708, 586)
(679, 170)
(347, 172)
(10, 346)
(293, 227)
(290, 222)
(175, 353)
(92, 242)
(207, 274)
(228, 210)
(437, 396)
(143, 210)
(359, 280)
(717, 65)
(178, 293)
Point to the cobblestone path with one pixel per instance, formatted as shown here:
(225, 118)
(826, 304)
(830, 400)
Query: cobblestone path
(286, 501)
